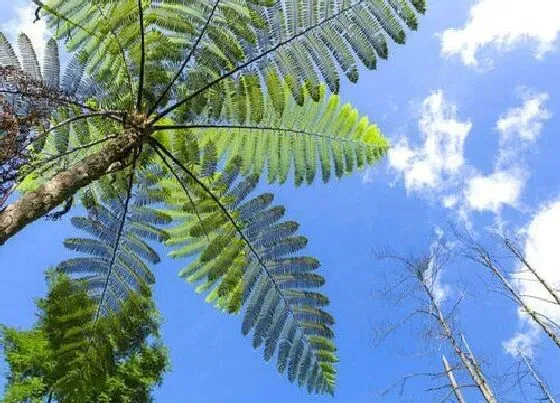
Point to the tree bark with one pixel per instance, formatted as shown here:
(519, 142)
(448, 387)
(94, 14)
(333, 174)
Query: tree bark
(34, 205)
(453, 381)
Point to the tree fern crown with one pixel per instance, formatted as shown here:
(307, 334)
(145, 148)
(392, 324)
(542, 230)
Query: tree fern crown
(195, 101)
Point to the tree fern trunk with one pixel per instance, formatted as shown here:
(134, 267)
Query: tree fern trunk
(34, 205)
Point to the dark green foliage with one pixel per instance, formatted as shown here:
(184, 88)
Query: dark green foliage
(71, 357)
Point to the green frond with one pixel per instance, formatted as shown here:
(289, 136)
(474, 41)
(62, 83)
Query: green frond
(29, 62)
(7, 55)
(247, 258)
(305, 43)
(324, 135)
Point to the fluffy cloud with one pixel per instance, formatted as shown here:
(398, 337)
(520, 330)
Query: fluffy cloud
(522, 342)
(504, 23)
(518, 128)
(434, 164)
(23, 23)
(490, 193)
(542, 253)
(436, 168)
(526, 122)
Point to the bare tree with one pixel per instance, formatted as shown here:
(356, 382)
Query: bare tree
(512, 247)
(522, 376)
(426, 272)
(540, 382)
(477, 252)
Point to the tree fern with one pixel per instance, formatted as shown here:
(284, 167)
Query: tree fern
(200, 98)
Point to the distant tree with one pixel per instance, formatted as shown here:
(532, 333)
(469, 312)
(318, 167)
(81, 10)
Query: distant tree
(524, 265)
(71, 356)
(478, 252)
(421, 283)
(183, 105)
(541, 384)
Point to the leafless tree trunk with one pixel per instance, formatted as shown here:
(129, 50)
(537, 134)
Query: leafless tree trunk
(467, 359)
(517, 253)
(452, 381)
(542, 385)
(425, 272)
(483, 257)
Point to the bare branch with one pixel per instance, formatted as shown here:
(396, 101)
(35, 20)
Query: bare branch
(509, 245)
(542, 385)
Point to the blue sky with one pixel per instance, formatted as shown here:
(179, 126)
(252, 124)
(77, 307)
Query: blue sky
(471, 107)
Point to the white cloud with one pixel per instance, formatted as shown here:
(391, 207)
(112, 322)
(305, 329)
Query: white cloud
(436, 169)
(503, 24)
(525, 122)
(440, 158)
(23, 23)
(369, 175)
(491, 192)
(522, 342)
(542, 253)
(519, 128)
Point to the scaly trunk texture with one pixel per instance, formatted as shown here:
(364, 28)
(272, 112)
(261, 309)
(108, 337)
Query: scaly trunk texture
(34, 205)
